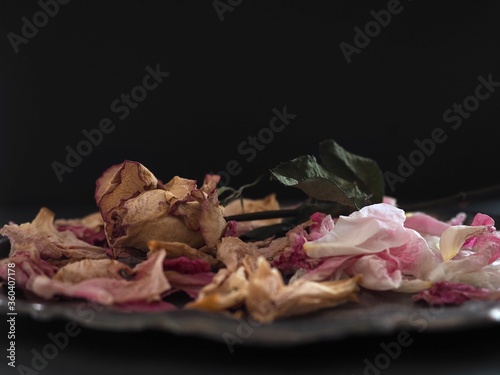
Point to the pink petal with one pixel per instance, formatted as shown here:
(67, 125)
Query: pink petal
(379, 271)
(185, 265)
(321, 225)
(415, 258)
(148, 283)
(425, 224)
(330, 268)
(370, 230)
(454, 293)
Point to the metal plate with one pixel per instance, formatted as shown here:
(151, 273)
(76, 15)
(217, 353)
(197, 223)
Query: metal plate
(375, 313)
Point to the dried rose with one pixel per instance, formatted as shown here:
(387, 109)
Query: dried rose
(136, 208)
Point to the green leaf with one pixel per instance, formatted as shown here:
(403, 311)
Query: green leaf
(341, 177)
(356, 168)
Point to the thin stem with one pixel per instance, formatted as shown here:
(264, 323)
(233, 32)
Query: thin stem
(464, 196)
(467, 196)
(262, 215)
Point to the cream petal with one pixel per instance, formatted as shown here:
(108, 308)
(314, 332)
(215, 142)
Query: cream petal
(453, 238)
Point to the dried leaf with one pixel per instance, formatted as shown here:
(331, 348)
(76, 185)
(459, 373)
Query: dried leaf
(341, 177)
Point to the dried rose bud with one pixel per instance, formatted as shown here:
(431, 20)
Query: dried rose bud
(137, 208)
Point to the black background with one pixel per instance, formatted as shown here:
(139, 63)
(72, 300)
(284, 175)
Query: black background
(225, 79)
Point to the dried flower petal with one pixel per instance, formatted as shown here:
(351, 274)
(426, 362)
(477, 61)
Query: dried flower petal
(453, 238)
(370, 230)
(86, 269)
(269, 298)
(137, 208)
(147, 284)
(180, 249)
(227, 290)
(50, 243)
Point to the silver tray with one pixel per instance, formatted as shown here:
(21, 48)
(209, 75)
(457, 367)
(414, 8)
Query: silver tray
(376, 313)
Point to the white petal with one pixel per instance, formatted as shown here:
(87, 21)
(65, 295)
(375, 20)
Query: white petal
(453, 238)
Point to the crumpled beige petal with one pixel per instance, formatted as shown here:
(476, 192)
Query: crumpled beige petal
(51, 244)
(262, 289)
(453, 238)
(211, 220)
(137, 208)
(178, 249)
(146, 217)
(269, 298)
(227, 290)
(91, 269)
(180, 188)
(232, 250)
(147, 282)
(121, 182)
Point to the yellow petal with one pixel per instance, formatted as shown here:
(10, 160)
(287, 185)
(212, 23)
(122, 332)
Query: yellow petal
(453, 238)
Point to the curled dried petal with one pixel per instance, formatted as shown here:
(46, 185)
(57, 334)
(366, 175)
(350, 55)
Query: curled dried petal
(370, 230)
(42, 236)
(147, 284)
(90, 269)
(453, 238)
(136, 208)
(121, 182)
(180, 249)
(269, 298)
(227, 290)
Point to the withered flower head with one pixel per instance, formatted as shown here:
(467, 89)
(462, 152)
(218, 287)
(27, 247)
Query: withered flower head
(136, 208)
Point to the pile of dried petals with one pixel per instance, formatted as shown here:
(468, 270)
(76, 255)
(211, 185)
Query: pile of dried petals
(150, 241)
